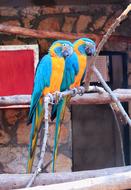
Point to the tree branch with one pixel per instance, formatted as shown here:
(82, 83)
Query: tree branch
(43, 149)
(15, 181)
(103, 41)
(108, 182)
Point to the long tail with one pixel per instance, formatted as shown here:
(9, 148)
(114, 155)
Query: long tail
(60, 113)
(36, 123)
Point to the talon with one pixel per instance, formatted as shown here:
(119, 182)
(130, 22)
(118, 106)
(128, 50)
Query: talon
(51, 98)
(81, 90)
(57, 96)
(75, 91)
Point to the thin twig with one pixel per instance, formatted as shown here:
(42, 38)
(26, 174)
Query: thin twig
(103, 41)
(120, 137)
(92, 63)
(39, 167)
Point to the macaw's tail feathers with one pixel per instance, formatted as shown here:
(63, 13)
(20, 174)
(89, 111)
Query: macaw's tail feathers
(36, 123)
(60, 113)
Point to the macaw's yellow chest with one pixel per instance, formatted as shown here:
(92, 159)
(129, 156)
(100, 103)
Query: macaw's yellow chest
(82, 60)
(58, 65)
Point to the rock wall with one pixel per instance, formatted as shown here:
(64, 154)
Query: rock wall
(14, 133)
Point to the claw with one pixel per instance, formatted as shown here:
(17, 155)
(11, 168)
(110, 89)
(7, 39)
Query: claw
(57, 95)
(51, 98)
(75, 91)
(81, 90)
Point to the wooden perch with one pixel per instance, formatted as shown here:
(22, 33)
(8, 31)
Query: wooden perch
(104, 98)
(15, 100)
(124, 95)
(15, 181)
(16, 30)
(109, 182)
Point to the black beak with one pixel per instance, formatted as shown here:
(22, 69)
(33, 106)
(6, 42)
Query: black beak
(88, 52)
(65, 53)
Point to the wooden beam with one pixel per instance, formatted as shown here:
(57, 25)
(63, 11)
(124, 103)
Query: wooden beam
(109, 182)
(124, 95)
(104, 98)
(15, 100)
(15, 181)
(57, 35)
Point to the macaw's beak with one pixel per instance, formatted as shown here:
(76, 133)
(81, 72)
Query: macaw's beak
(65, 51)
(88, 51)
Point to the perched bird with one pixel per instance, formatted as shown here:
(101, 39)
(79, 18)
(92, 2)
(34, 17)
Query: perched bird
(82, 48)
(48, 79)
(70, 71)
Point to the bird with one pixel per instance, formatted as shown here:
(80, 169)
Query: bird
(48, 78)
(82, 48)
(58, 110)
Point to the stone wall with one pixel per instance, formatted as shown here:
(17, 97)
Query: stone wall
(14, 133)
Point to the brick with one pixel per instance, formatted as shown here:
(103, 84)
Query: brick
(82, 23)
(63, 138)
(69, 23)
(13, 42)
(63, 163)
(10, 11)
(11, 22)
(4, 137)
(15, 159)
(31, 11)
(27, 22)
(50, 24)
(11, 116)
(99, 22)
(23, 133)
(44, 45)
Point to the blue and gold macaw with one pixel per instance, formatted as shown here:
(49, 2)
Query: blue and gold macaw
(82, 48)
(48, 79)
(71, 70)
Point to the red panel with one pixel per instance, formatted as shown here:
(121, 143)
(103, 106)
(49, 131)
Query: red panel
(16, 72)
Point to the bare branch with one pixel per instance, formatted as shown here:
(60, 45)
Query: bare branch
(103, 41)
(15, 181)
(41, 160)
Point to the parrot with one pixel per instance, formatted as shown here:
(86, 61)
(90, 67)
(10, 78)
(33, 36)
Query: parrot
(48, 78)
(58, 110)
(82, 47)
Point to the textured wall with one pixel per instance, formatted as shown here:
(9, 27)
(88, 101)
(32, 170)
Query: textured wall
(14, 134)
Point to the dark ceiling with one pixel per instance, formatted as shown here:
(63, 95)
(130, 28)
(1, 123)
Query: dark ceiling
(59, 2)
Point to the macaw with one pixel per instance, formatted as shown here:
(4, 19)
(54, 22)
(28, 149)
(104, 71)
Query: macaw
(82, 47)
(58, 110)
(48, 79)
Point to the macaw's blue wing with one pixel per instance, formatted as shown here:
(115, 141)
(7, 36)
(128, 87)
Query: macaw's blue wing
(42, 80)
(58, 110)
(71, 70)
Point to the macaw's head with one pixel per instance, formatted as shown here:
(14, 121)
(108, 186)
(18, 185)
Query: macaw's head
(85, 46)
(61, 48)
